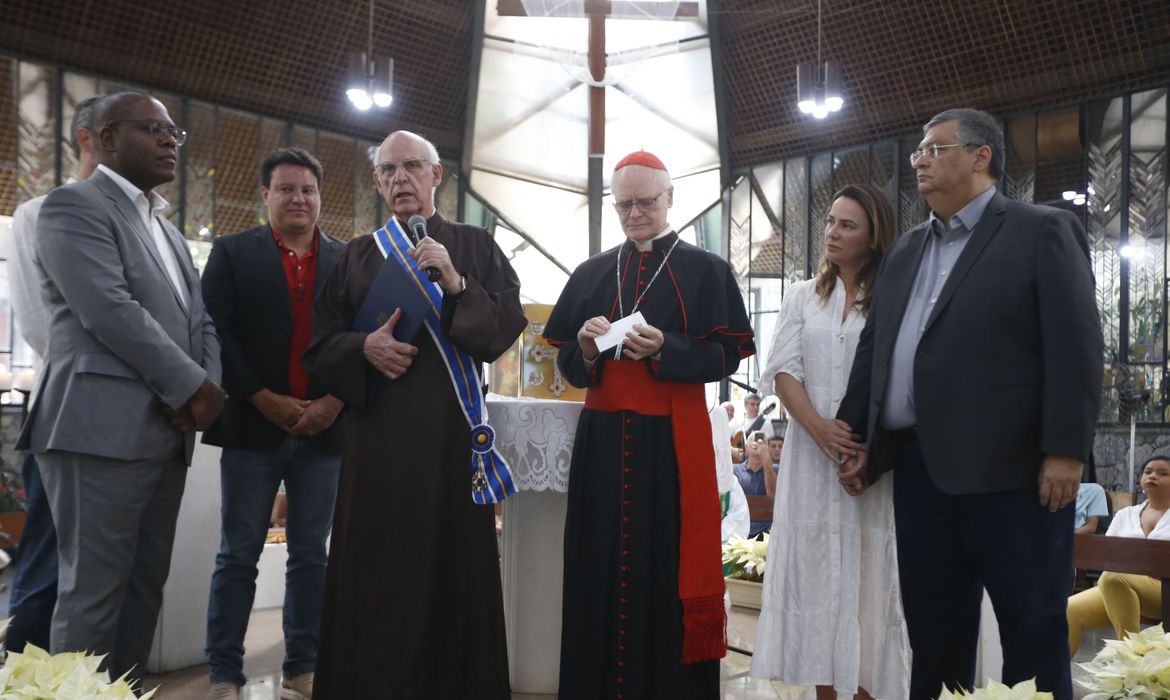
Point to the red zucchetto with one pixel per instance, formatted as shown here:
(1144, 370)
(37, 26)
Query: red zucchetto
(643, 158)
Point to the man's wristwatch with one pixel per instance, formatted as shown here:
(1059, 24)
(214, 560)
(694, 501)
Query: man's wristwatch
(462, 287)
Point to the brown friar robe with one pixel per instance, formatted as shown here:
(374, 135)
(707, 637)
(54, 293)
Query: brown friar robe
(413, 606)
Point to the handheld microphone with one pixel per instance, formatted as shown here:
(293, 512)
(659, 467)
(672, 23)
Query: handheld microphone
(750, 389)
(418, 225)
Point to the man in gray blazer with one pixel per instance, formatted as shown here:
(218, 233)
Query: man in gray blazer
(132, 371)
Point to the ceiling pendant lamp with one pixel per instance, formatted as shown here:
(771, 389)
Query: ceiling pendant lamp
(370, 79)
(818, 85)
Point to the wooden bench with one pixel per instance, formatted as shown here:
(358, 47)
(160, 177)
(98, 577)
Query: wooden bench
(1126, 555)
(760, 507)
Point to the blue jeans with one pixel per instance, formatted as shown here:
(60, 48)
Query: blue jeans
(34, 589)
(249, 481)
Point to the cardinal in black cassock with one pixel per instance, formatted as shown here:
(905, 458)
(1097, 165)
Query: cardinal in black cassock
(643, 612)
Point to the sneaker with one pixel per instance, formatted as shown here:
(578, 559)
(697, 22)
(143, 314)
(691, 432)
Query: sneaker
(297, 688)
(223, 691)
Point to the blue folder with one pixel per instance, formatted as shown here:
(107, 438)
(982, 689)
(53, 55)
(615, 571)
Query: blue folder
(393, 288)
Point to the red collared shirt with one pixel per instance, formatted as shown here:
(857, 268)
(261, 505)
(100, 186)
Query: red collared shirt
(301, 274)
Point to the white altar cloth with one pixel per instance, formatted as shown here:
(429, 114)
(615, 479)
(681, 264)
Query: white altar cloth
(535, 437)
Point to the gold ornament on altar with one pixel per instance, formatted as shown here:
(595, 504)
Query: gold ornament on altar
(529, 368)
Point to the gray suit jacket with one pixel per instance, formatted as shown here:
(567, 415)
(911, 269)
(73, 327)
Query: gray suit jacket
(121, 344)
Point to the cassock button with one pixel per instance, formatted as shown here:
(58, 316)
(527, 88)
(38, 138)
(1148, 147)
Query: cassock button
(625, 486)
(625, 568)
(625, 518)
(621, 664)
(625, 535)
(628, 453)
(629, 436)
(627, 470)
(626, 502)
(625, 553)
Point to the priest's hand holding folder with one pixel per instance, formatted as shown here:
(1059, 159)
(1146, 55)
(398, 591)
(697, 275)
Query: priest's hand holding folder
(388, 355)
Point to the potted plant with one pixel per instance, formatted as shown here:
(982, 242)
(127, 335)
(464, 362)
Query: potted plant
(743, 569)
(1024, 690)
(35, 674)
(1135, 667)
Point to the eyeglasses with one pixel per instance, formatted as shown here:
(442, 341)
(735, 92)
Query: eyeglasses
(933, 149)
(156, 128)
(412, 166)
(644, 203)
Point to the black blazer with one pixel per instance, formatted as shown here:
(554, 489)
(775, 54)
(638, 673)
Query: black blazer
(246, 291)
(1009, 367)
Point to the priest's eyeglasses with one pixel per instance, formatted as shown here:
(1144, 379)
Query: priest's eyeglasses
(412, 166)
(933, 151)
(155, 128)
(644, 203)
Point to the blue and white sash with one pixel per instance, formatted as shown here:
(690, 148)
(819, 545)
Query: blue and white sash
(491, 479)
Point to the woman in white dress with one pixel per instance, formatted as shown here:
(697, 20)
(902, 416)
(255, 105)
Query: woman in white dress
(832, 607)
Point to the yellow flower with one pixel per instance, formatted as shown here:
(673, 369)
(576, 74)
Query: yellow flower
(37, 675)
(1135, 667)
(1024, 690)
(745, 558)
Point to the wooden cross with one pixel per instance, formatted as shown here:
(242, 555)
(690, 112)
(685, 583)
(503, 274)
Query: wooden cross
(597, 11)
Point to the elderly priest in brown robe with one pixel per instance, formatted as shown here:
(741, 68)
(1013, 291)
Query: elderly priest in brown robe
(643, 612)
(413, 606)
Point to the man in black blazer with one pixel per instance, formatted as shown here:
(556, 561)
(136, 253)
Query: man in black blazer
(277, 426)
(977, 380)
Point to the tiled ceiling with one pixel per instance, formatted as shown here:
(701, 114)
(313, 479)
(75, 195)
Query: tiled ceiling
(282, 59)
(902, 60)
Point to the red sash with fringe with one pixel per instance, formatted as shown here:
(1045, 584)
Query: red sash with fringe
(627, 385)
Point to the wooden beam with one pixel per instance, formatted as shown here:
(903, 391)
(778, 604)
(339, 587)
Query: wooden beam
(515, 8)
(1126, 555)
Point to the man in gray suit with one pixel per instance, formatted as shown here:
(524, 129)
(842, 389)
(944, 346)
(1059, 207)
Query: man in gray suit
(132, 371)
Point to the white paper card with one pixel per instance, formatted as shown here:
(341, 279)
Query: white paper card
(617, 331)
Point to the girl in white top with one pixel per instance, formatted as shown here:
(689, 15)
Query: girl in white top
(1121, 600)
(832, 606)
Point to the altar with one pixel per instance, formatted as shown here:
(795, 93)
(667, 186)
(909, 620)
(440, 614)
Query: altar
(535, 436)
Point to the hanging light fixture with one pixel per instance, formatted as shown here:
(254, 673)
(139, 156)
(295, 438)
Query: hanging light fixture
(819, 93)
(370, 78)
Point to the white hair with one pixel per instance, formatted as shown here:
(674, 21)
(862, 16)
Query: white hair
(432, 152)
(663, 176)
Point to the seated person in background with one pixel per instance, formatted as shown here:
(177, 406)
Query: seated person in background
(1091, 507)
(754, 478)
(1119, 600)
(775, 447)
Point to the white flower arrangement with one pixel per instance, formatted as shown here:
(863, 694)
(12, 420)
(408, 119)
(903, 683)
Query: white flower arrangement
(745, 559)
(35, 674)
(1024, 690)
(1136, 667)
